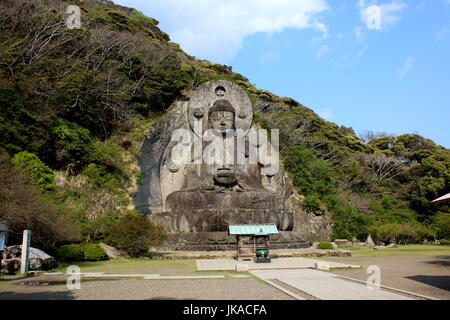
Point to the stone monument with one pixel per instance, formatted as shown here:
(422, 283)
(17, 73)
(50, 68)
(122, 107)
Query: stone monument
(206, 166)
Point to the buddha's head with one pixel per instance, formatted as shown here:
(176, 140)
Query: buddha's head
(221, 116)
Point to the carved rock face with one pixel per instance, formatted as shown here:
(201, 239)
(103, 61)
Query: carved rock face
(221, 120)
(225, 177)
(210, 196)
(196, 202)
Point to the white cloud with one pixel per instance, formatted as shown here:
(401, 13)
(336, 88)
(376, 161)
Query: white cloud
(388, 13)
(442, 34)
(363, 50)
(322, 51)
(215, 30)
(359, 34)
(405, 68)
(269, 57)
(421, 5)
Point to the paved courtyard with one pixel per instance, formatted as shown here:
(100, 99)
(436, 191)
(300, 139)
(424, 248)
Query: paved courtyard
(284, 278)
(429, 276)
(296, 277)
(309, 284)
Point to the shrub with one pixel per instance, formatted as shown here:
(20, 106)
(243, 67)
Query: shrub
(134, 233)
(407, 235)
(310, 174)
(385, 233)
(392, 210)
(36, 171)
(24, 207)
(404, 233)
(442, 225)
(425, 233)
(348, 221)
(71, 252)
(95, 230)
(444, 242)
(73, 143)
(312, 204)
(93, 252)
(325, 245)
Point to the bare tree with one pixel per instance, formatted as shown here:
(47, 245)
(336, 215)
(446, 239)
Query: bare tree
(383, 167)
(369, 135)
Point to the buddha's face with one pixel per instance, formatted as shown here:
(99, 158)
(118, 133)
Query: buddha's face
(225, 176)
(222, 120)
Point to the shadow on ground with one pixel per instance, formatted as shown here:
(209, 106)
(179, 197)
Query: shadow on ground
(441, 282)
(46, 295)
(443, 261)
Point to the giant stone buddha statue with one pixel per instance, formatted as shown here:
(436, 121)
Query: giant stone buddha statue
(202, 171)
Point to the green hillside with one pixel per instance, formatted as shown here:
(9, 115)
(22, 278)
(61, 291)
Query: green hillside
(75, 105)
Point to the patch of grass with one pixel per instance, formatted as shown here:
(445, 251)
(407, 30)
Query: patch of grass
(159, 266)
(4, 283)
(5, 280)
(258, 279)
(402, 250)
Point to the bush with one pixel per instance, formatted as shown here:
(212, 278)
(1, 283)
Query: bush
(325, 245)
(80, 252)
(348, 221)
(310, 174)
(425, 233)
(312, 204)
(135, 234)
(93, 252)
(36, 171)
(95, 230)
(71, 252)
(385, 233)
(73, 143)
(388, 209)
(442, 225)
(404, 233)
(24, 207)
(49, 249)
(444, 242)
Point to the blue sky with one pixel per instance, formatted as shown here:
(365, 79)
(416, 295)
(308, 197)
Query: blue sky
(370, 65)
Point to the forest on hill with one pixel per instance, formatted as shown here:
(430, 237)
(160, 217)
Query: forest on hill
(75, 105)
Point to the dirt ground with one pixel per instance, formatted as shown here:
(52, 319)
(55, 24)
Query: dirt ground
(429, 276)
(134, 289)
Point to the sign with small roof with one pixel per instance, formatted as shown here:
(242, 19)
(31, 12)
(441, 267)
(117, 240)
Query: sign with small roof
(253, 229)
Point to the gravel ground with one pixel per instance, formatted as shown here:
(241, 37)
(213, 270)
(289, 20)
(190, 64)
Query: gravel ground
(204, 289)
(429, 276)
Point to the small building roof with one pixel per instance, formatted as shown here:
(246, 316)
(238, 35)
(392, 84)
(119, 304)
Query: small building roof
(253, 229)
(442, 199)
